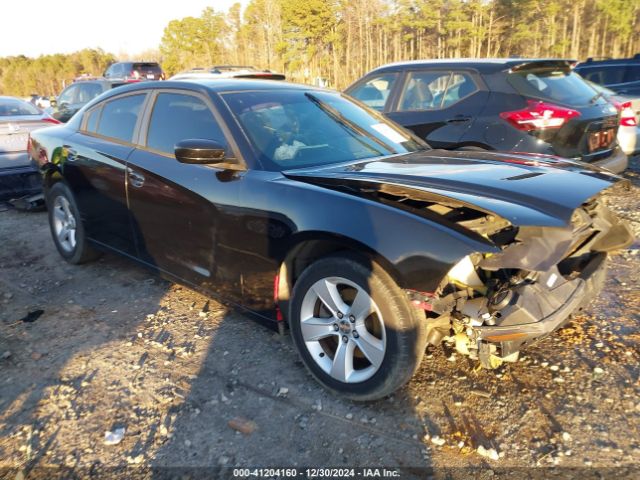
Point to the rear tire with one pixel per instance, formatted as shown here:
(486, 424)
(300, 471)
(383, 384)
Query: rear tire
(366, 357)
(66, 226)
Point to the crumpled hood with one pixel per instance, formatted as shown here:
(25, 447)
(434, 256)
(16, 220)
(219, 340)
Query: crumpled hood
(525, 189)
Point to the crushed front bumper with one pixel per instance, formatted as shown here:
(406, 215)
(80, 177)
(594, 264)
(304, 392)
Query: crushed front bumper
(552, 303)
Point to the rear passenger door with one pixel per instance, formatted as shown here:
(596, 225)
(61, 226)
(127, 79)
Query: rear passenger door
(438, 105)
(94, 162)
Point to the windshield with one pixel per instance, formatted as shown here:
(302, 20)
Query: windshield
(562, 86)
(296, 129)
(13, 107)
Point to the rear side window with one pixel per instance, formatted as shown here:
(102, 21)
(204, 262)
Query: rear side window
(119, 117)
(177, 117)
(560, 86)
(604, 75)
(375, 91)
(432, 90)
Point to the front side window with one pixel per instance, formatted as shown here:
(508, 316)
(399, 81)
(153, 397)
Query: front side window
(119, 117)
(177, 117)
(68, 96)
(294, 129)
(375, 91)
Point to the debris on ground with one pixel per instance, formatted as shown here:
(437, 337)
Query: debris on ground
(115, 437)
(488, 452)
(243, 425)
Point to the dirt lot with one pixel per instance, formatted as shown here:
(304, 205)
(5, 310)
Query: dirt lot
(116, 347)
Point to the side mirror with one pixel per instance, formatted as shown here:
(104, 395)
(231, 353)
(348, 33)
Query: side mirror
(199, 151)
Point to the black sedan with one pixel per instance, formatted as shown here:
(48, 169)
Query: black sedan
(303, 207)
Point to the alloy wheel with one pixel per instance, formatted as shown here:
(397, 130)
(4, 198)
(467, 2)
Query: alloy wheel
(64, 224)
(343, 329)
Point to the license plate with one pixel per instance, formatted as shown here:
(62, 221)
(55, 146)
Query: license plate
(601, 140)
(150, 76)
(14, 143)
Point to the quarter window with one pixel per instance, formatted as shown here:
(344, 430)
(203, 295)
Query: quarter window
(119, 117)
(435, 90)
(177, 117)
(375, 91)
(92, 119)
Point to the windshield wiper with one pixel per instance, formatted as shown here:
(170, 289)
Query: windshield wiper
(345, 122)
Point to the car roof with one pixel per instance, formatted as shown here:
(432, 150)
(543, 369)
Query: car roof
(482, 64)
(217, 86)
(592, 62)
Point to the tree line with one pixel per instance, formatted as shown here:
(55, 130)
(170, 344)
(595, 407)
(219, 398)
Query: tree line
(48, 74)
(337, 41)
(340, 40)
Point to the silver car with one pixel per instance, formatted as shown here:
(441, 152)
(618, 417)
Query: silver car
(17, 119)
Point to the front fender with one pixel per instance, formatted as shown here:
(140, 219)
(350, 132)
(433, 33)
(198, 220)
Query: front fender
(419, 250)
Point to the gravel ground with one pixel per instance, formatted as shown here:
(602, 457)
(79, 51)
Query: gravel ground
(198, 387)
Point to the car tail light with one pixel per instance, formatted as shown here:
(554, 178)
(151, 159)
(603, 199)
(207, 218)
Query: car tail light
(29, 146)
(135, 74)
(51, 120)
(627, 117)
(539, 115)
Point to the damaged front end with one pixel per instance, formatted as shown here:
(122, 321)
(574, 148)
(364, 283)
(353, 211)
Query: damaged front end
(493, 305)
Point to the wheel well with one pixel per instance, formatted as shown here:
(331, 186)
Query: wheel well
(307, 252)
(51, 178)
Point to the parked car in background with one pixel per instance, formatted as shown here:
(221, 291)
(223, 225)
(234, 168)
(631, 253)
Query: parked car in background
(17, 119)
(622, 75)
(536, 106)
(79, 93)
(298, 204)
(629, 108)
(227, 71)
(129, 72)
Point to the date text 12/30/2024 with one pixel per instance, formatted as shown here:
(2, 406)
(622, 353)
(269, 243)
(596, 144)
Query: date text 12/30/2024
(362, 472)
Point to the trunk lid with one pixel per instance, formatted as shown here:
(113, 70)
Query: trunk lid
(14, 132)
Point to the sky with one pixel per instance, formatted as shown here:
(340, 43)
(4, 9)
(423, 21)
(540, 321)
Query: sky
(40, 27)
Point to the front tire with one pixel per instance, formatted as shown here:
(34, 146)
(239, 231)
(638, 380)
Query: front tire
(66, 226)
(354, 328)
